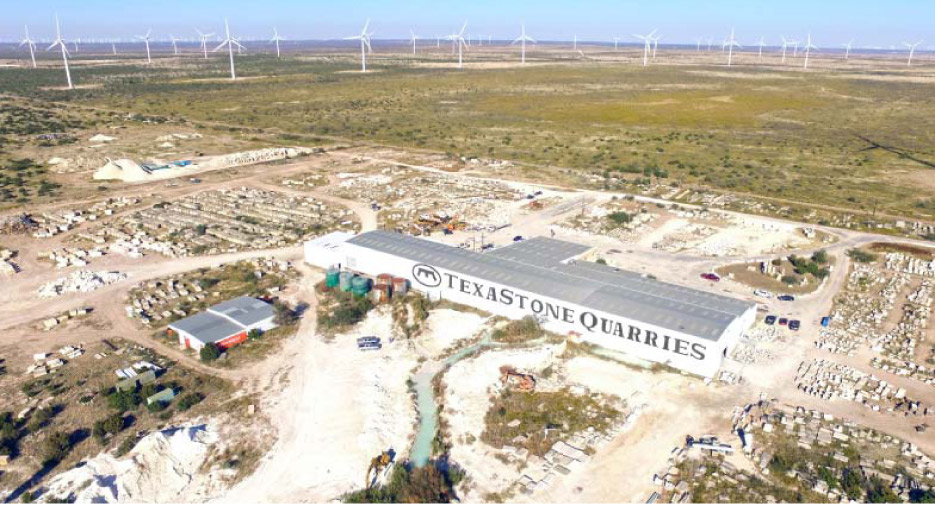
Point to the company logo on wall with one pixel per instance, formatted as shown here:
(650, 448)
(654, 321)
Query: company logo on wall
(426, 275)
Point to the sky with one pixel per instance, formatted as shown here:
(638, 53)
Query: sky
(876, 23)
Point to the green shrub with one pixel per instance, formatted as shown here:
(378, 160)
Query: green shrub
(123, 401)
(188, 401)
(55, 448)
(862, 256)
(210, 352)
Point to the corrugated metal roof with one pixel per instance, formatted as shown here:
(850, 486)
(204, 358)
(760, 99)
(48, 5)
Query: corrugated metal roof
(245, 310)
(207, 327)
(536, 266)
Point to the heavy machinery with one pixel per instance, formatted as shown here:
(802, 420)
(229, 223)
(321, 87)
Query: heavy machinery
(511, 378)
(378, 464)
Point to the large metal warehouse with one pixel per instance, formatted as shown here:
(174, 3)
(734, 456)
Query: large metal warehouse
(682, 327)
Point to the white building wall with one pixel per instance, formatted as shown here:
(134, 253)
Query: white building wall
(616, 335)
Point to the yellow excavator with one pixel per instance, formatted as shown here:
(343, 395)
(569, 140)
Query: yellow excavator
(377, 465)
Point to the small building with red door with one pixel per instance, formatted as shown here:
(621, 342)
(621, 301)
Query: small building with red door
(225, 324)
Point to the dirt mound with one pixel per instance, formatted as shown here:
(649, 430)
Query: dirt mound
(124, 170)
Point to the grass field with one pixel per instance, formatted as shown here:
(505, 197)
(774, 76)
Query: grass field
(851, 139)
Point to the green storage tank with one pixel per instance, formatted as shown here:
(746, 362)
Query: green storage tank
(332, 277)
(360, 286)
(344, 280)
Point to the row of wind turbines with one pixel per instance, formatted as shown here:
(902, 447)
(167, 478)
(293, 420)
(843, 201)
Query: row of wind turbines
(459, 43)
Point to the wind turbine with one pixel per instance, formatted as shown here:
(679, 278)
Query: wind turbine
(847, 48)
(647, 39)
(364, 39)
(912, 50)
(575, 47)
(413, 37)
(204, 41)
(60, 42)
(808, 47)
(230, 42)
(616, 40)
(795, 48)
(698, 49)
(276, 38)
(175, 47)
(760, 56)
(145, 38)
(523, 38)
(731, 44)
(655, 44)
(458, 40)
(785, 44)
(28, 42)
(113, 47)
(76, 42)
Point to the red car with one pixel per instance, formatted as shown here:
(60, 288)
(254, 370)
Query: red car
(711, 277)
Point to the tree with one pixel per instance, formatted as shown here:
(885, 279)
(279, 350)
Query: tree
(790, 280)
(210, 352)
(820, 256)
(851, 483)
(55, 448)
(188, 401)
(619, 217)
(123, 401)
(879, 492)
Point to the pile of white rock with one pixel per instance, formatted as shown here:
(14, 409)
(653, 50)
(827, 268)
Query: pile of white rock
(82, 281)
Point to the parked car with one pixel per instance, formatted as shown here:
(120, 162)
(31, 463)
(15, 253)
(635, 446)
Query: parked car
(783, 321)
(786, 298)
(762, 292)
(366, 340)
(795, 324)
(518, 238)
(826, 321)
(370, 346)
(770, 320)
(711, 277)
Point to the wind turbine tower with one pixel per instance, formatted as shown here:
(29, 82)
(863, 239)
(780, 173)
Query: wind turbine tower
(523, 38)
(28, 42)
(60, 42)
(760, 56)
(647, 40)
(731, 44)
(912, 50)
(276, 38)
(413, 37)
(230, 42)
(175, 45)
(808, 47)
(204, 41)
(458, 40)
(145, 38)
(847, 49)
(364, 39)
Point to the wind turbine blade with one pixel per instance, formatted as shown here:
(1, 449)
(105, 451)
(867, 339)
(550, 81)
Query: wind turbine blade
(461, 33)
(53, 45)
(218, 48)
(366, 25)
